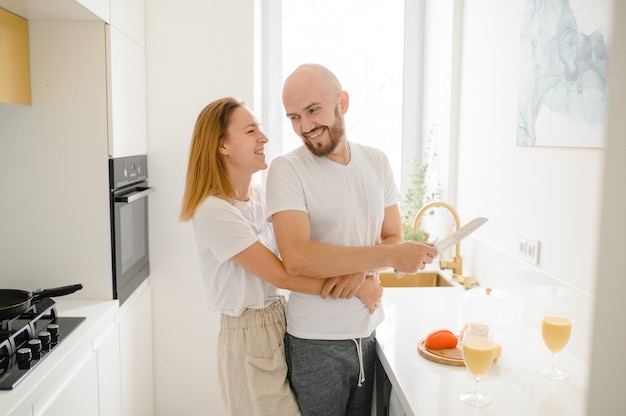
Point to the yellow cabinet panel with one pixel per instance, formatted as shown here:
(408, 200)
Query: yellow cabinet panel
(14, 59)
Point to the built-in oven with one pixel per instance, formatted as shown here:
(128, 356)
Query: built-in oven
(128, 180)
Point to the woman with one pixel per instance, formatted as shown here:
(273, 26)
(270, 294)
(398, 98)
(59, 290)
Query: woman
(240, 269)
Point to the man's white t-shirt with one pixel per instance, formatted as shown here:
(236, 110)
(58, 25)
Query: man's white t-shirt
(346, 205)
(222, 231)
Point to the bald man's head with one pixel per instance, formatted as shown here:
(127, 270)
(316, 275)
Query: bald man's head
(312, 74)
(315, 103)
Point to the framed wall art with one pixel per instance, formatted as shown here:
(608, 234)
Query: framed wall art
(564, 73)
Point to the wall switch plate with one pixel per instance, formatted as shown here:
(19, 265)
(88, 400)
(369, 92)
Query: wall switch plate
(529, 249)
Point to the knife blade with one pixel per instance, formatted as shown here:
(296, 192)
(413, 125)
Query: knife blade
(460, 234)
(455, 237)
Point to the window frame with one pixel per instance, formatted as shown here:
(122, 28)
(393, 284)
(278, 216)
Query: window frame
(267, 103)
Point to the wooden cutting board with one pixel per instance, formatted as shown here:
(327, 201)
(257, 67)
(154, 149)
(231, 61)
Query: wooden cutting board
(448, 356)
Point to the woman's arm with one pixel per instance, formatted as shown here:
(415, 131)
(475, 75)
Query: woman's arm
(262, 262)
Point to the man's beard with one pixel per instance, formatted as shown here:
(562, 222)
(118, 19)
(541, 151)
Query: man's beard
(335, 132)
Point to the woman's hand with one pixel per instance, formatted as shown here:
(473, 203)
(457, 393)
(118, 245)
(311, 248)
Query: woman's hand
(343, 287)
(369, 290)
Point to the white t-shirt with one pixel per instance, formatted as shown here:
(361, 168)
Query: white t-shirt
(346, 207)
(222, 231)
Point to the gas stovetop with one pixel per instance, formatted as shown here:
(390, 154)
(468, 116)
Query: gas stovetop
(30, 338)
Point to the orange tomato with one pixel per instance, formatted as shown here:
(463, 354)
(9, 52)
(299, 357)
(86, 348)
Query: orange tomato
(441, 339)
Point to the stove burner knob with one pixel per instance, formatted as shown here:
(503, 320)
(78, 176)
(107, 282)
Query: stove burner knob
(54, 332)
(24, 355)
(36, 347)
(46, 339)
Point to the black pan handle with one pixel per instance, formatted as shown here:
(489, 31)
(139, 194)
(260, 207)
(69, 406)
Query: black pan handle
(56, 291)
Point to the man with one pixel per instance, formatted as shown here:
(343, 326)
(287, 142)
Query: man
(334, 209)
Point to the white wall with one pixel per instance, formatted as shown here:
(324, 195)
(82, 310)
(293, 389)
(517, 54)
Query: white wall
(197, 51)
(54, 166)
(551, 194)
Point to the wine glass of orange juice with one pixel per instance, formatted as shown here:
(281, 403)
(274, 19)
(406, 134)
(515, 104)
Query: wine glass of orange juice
(555, 331)
(478, 355)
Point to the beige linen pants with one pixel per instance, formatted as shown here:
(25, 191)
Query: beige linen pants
(252, 369)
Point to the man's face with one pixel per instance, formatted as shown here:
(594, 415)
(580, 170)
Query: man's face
(322, 140)
(315, 116)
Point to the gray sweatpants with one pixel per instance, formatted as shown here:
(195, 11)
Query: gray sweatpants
(326, 375)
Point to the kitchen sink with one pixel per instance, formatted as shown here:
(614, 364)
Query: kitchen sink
(419, 279)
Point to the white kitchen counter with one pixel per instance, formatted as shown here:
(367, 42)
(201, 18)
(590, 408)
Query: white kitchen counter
(45, 381)
(514, 384)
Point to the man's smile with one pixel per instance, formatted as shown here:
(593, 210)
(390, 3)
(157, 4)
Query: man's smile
(315, 133)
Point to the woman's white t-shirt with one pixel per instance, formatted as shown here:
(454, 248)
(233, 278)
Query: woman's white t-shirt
(223, 230)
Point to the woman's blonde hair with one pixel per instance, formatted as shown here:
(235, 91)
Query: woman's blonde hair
(206, 172)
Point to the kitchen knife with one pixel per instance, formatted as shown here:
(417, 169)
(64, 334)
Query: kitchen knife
(460, 234)
(456, 236)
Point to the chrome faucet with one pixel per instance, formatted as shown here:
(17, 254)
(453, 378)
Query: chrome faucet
(456, 263)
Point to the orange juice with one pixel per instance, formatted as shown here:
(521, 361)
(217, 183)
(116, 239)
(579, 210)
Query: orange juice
(478, 354)
(555, 331)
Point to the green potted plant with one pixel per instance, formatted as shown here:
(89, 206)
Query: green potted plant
(417, 195)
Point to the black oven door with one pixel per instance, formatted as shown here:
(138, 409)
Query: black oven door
(131, 263)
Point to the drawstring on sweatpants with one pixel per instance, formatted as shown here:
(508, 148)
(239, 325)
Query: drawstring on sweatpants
(359, 352)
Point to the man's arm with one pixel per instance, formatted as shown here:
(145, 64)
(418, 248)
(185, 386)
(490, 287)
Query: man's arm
(302, 256)
(391, 232)
(260, 261)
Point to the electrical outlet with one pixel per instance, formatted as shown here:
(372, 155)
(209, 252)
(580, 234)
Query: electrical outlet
(529, 249)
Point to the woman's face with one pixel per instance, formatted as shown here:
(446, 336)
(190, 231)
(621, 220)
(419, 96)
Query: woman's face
(244, 146)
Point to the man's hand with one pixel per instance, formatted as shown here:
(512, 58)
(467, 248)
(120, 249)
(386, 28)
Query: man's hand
(411, 256)
(343, 287)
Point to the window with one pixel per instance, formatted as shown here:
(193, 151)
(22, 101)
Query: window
(376, 49)
(362, 42)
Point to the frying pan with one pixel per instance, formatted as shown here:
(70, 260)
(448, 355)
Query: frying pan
(14, 302)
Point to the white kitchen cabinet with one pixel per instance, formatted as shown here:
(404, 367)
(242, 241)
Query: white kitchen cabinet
(127, 95)
(395, 406)
(90, 382)
(79, 395)
(101, 8)
(135, 326)
(94, 388)
(83, 10)
(128, 16)
(103, 369)
(80, 374)
(127, 82)
(107, 349)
